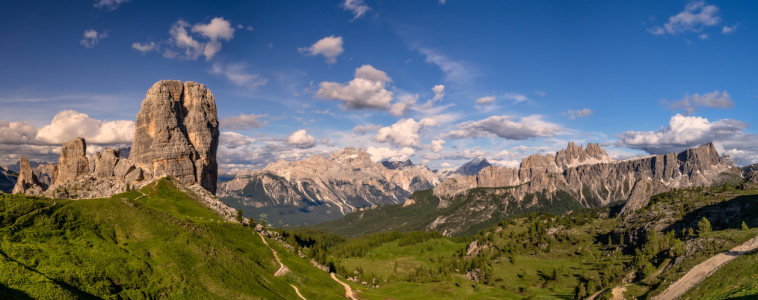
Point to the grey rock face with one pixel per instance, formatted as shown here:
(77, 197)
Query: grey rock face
(45, 173)
(394, 165)
(73, 162)
(177, 133)
(27, 182)
(472, 167)
(7, 180)
(105, 162)
(596, 180)
(347, 180)
(750, 173)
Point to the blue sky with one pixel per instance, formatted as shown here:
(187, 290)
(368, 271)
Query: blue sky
(293, 79)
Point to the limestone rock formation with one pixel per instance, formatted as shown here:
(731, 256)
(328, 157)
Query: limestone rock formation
(7, 180)
(73, 162)
(750, 173)
(345, 181)
(27, 182)
(46, 173)
(594, 179)
(105, 162)
(177, 133)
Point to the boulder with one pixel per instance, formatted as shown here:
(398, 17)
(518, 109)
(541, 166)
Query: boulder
(176, 133)
(73, 162)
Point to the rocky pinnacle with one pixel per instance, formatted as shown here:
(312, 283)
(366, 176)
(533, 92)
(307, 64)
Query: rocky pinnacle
(177, 133)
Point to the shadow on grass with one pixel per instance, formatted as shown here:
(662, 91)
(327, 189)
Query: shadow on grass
(9, 293)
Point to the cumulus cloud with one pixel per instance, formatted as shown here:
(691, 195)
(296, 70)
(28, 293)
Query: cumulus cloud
(573, 114)
(145, 47)
(439, 92)
(366, 91)
(692, 104)
(515, 97)
(330, 47)
(183, 45)
(236, 73)
(91, 38)
(243, 122)
(361, 130)
(405, 132)
(685, 132)
(694, 18)
(233, 140)
(302, 140)
(357, 7)
(17, 132)
(69, 124)
(380, 154)
(437, 145)
(109, 5)
(728, 29)
(401, 108)
(505, 127)
(486, 100)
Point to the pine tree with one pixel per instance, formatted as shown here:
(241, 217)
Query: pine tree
(239, 216)
(744, 226)
(591, 286)
(704, 226)
(580, 292)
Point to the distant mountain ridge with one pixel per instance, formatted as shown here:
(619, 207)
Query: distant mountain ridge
(318, 189)
(472, 167)
(7, 180)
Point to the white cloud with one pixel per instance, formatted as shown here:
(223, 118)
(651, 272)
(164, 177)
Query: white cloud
(356, 6)
(437, 145)
(573, 114)
(505, 127)
(515, 97)
(728, 29)
(92, 37)
(439, 92)
(695, 17)
(692, 104)
(703, 36)
(361, 130)
(243, 122)
(366, 91)
(69, 124)
(446, 165)
(182, 45)
(685, 132)
(109, 4)
(404, 133)
(485, 100)
(401, 108)
(442, 2)
(454, 71)
(145, 47)
(236, 73)
(16, 133)
(233, 140)
(540, 93)
(330, 47)
(380, 154)
(301, 139)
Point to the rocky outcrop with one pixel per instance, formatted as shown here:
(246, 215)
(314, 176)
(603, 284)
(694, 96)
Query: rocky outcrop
(105, 162)
(595, 179)
(176, 133)
(750, 173)
(73, 162)
(46, 173)
(7, 180)
(347, 180)
(27, 182)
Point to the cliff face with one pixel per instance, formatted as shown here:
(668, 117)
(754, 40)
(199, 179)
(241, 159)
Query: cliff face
(177, 133)
(345, 181)
(27, 180)
(594, 179)
(73, 162)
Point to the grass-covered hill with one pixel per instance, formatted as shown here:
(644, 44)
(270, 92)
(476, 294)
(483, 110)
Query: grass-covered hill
(130, 246)
(466, 214)
(582, 253)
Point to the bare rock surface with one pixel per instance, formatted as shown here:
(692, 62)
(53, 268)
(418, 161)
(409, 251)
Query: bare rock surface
(7, 180)
(105, 162)
(347, 180)
(27, 181)
(73, 162)
(596, 179)
(176, 133)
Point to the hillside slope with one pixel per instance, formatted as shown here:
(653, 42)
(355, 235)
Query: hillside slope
(155, 243)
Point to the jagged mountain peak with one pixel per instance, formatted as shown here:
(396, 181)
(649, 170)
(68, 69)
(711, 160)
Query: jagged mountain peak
(350, 154)
(393, 165)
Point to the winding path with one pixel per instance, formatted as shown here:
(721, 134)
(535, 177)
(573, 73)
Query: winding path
(282, 269)
(348, 290)
(705, 269)
(298, 292)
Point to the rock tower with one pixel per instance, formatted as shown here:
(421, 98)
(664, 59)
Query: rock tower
(177, 133)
